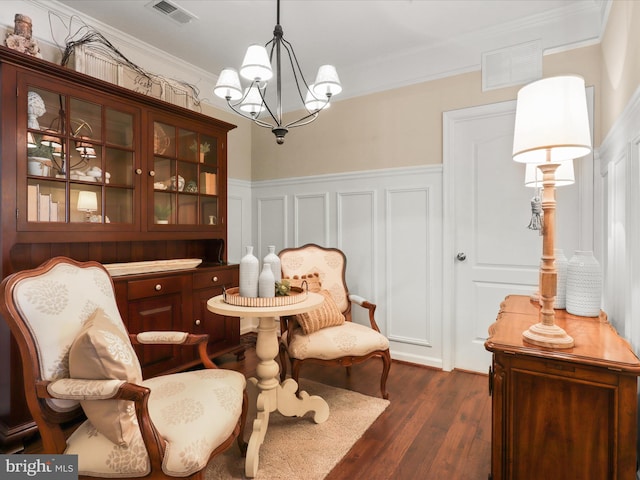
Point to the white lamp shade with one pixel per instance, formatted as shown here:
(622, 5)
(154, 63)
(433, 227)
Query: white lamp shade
(564, 175)
(87, 201)
(256, 65)
(228, 85)
(314, 103)
(327, 82)
(252, 102)
(552, 117)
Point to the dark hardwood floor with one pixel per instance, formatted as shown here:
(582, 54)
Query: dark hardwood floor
(437, 426)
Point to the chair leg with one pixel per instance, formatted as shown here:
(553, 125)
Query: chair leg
(295, 372)
(386, 366)
(243, 421)
(282, 355)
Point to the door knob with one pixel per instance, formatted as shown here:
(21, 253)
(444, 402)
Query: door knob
(461, 256)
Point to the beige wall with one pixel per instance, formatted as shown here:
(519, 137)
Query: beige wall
(396, 128)
(620, 60)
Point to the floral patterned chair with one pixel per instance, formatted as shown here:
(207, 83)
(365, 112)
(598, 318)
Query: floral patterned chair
(327, 335)
(78, 357)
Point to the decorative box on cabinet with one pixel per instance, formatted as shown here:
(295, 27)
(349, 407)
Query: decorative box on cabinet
(569, 413)
(96, 195)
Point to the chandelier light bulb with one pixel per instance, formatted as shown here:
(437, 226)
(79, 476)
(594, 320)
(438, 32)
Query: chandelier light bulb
(228, 85)
(252, 103)
(327, 82)
(314, 103)
(256, 65)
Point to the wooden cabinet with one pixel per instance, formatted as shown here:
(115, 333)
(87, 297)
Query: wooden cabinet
(224, 332)
(93, 171)
(174, 301)
(568, 413)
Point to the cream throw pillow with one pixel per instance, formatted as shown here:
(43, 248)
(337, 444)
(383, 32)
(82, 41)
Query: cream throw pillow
(102, 351)
(326, 315)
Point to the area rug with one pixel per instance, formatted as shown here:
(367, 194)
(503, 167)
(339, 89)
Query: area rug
(297, 447)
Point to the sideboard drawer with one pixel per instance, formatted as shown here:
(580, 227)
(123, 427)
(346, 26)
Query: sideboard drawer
(154, 286)
(228, 278)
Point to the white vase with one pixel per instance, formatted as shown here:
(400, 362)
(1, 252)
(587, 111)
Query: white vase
(266, 282)
(561, 288)
(249, 272)
(584, 285)
(272, 259)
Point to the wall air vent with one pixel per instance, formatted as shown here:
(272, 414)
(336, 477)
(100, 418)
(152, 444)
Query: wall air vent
(172, 11)
(515, 65)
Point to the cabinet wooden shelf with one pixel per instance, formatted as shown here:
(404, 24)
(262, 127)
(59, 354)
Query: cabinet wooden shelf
(569, 413)
(93, 171)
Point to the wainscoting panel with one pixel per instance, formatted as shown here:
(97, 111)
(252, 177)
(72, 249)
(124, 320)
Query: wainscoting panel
(389, 224)
(238, 219)
(272, 224)
(356, 228)
(311, 218)
(407, 211)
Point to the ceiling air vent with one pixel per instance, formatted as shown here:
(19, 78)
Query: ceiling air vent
(172, 11)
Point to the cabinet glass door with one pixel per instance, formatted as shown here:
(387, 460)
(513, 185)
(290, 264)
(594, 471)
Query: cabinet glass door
(80, 160)
(185, 176)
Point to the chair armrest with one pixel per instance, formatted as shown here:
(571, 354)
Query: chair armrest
(175, 338)
(81, 390)
(371, 307)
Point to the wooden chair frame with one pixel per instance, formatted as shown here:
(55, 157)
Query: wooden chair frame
(290, 324)
(54, 426)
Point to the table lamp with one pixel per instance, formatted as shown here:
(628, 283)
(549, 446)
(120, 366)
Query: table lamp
(551, 127)
(87, 202)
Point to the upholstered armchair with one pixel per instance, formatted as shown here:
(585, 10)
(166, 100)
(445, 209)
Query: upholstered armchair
(328, 335)
(78, 359)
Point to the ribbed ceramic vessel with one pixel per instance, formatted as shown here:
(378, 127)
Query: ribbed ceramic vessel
(562, 265)
(266, 282)
(584, 285)
(249, 273)
(274, 260)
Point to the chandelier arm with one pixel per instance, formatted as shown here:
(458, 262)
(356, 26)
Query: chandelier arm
(293, 60)
(248, 116)
(307, 119)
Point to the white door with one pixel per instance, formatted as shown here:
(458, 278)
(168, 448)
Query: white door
(492, 253)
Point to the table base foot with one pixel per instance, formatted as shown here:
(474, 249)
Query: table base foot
(283, 399)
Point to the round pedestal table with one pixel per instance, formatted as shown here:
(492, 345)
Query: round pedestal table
(271, 395)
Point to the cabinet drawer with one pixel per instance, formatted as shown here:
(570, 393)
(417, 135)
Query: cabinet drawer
(154, 286)
(228, 278)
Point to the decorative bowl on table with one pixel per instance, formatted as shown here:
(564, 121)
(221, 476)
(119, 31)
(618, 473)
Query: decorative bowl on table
(232, 297)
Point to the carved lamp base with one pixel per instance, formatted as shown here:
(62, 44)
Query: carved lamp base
(550, 336)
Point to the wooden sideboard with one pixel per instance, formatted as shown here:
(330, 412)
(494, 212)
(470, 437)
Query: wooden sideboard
(561, 414)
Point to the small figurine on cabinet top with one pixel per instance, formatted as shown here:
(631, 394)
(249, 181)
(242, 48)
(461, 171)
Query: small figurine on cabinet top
(20, 40)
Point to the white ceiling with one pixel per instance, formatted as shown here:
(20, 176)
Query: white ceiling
(374, 44)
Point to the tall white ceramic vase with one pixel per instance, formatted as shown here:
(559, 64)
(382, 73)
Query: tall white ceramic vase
(266, 282)
(584, 285)
(272, 259)
(249, 273)
(561, 288)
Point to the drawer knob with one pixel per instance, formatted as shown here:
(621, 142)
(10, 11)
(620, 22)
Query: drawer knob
(198, 322)
(214, 279)
(158, 287)
(138, 171)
